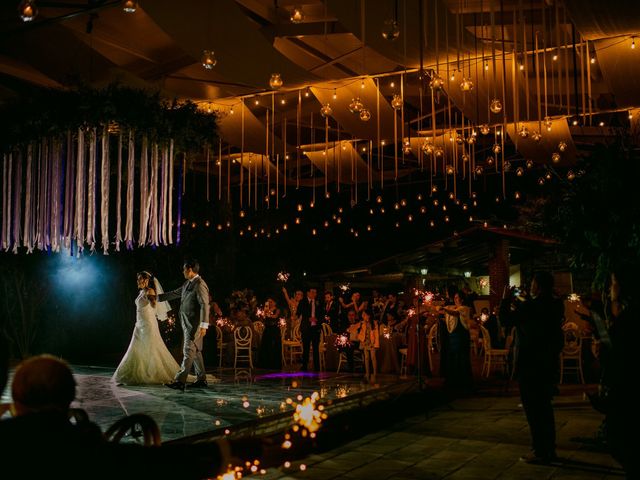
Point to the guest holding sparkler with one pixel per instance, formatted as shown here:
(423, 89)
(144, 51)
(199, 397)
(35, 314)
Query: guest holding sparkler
(270, 356)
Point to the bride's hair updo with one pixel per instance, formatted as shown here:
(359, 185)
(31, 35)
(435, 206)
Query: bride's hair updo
(147, 276)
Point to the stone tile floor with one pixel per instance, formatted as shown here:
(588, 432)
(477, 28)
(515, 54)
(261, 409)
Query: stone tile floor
(481, 437)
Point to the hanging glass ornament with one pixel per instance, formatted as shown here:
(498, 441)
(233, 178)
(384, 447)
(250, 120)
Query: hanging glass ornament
(529, 163)
(326, 110)
(459, 138)
(465, 157)
(365, 115)
(519, 171)
(427, 147)
(541, 181)
(547, 175)
(466, 85)
(471, 140)
(507, 166)
(27, 10)
(536, 135)
(397, 102)
(407, 148)
(449, 169)
(523, 132)
(484, 129)
(495, 106)
(496, 148)
(356, 105)
(390, 30)
(490, 160)
(275, 82)
(548, 123)
(516, 195)
(297, 15)
(438, 152)
(479, 170)
(436, 82)
(130, 6)
(571, 175)
(208, 59)
(562, 146)
(555, 157)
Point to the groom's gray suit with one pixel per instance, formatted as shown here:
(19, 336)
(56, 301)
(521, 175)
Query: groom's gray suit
(194, 315)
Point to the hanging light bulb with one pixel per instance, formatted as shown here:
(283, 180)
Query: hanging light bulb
(529, 163)
(406, 148)
(490, 160)
(362, 84)
(484, 129)
(436, 82)
(547, 175)
(466, 85)
(536, 135)
(297, 15)
(365, 115)
(486, 66)
(562, 146)
(326, 110)
(390, 30)
(523, 132)
(555, 57)
(555, 157)
(495, 106)
(471, 139)
(465, 157)
(208, 59)
(496, 148)
(397, 102)
(459, 138)
(516, 195)
(27, 10)
(275, 82)
(130, 6)
(427, 147)
(548, 123)
(450, 169)
(519, 171)
(633, 43)
(438, 152)
(479, 170)
(571, 175)
(356, 105)
(541, 181)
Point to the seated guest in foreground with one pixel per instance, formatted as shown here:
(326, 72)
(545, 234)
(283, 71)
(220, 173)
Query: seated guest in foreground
(41, 442)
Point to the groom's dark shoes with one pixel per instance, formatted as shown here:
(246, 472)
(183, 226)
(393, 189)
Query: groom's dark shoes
(176, 385)
(198, 384)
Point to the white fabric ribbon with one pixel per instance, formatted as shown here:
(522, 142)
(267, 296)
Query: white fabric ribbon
(17, 201)
(119, 197)
(54, 217)
(80, 184)
(162, 308)
(27, 239)
(153, 198)
(144, 185)
(104, 192)
(68, 193)
(170, 195)
(6, 202)
(131, 162)
(91, 191)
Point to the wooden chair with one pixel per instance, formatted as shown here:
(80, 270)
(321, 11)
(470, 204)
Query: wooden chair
(292, 348)
(221, 344)
(357, 359)
(493, 357)
(243, 337)
(571, 355)
(325, 333)
(139, 427)
(258, 327)
(431, 339)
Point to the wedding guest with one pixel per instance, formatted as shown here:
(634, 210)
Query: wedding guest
(309, 311)
(331, 312)
(270, 355)
(368, 336)
(39, 441)
(458, 374)
(538, 320)
(292, 302)
(352, 331)
(356, 303)
(390, 310)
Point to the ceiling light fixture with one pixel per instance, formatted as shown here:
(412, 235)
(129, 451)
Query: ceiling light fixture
(297, 15)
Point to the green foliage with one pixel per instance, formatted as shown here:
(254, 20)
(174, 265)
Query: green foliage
(597, 216)
(50, 113)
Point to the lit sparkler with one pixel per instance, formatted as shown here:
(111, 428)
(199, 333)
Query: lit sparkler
(425, 296)
(283, 277)
(344, 287)
(282, 322)
(574, 298)
(342, 341)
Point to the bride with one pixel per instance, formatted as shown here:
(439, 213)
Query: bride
(147, 361)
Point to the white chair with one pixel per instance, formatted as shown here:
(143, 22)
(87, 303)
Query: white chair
(493, 357)
(242, 338)
(220, 344)
(431, 339)
(292, 348)
(325, 334)
(571, 355)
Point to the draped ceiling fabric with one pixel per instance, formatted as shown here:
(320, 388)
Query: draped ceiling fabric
(541, 152)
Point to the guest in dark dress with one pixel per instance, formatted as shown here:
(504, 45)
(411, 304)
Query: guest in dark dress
(458, 376)
(270, 356)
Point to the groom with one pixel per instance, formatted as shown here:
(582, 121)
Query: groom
(194, 318)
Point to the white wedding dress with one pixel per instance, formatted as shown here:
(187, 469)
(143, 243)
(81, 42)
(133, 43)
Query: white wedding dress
(147, 361)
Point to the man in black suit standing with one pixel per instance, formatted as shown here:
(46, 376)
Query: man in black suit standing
(331, 312)
(310, 313)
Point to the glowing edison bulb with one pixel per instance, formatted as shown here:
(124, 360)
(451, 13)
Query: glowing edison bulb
(275, 82)
(27, 11)
(571, 175)
(297, 15)
(208, 59)
(562, 146)
(555, 157)
(519, 171)
(496, 148)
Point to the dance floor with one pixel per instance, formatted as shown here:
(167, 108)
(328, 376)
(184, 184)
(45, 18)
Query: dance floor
(236, 402)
